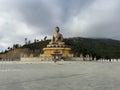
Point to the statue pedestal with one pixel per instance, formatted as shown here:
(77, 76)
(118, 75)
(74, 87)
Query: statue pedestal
(57, 45)
(48, 52)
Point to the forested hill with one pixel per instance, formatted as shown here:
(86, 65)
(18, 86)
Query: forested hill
(100, 48)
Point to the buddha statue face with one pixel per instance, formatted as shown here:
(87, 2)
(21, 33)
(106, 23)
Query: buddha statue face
(57, 29)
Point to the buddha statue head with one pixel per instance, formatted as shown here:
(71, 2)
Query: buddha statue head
(57, 29)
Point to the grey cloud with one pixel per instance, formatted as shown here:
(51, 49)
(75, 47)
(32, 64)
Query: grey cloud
(89, 18)
(45, 15)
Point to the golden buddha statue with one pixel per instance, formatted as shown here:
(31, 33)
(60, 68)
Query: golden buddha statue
(56, 46)
(57, 39)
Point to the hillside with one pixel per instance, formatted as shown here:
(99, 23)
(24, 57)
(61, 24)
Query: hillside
(100, 48)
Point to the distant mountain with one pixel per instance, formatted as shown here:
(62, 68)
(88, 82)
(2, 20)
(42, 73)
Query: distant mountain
(99, 48)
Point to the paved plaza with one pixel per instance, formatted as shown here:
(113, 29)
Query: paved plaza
(60, 76)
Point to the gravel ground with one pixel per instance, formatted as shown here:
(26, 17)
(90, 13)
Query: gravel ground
(60, 76)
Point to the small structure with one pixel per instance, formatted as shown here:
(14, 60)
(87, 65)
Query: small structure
(56, 44)
(56, 56)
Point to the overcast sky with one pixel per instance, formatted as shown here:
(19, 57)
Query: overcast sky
(37, 18)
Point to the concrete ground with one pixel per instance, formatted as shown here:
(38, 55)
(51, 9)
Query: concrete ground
(60, 76)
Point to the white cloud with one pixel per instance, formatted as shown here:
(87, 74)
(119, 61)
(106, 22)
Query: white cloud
(13, 30)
